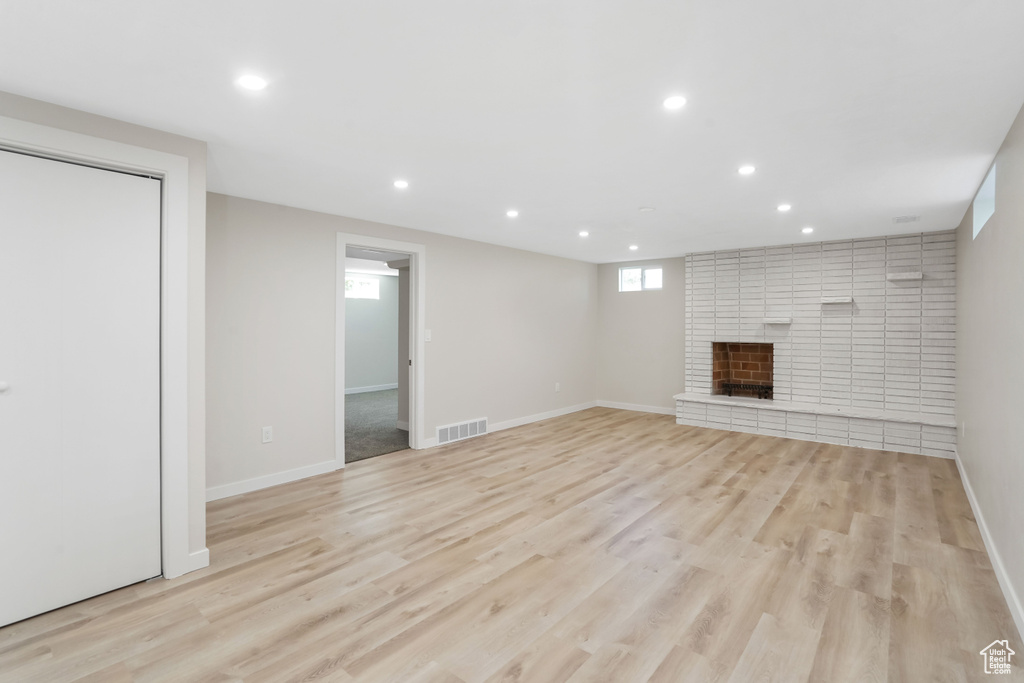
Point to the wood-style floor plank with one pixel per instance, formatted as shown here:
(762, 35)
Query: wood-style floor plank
(854, 642)
(605, 545)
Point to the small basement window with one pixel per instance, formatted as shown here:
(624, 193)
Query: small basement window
(636, 278)
(361, 287)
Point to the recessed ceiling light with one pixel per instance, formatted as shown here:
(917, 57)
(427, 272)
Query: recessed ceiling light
(808, 230)
(252, 82)
(784, 207)
(584, 233)
(675, 102)
(747, 170)
(511, 213)
(401, 184)
(633, 247)
(646, 209)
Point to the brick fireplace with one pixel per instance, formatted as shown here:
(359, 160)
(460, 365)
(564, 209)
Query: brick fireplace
(879, 373)
(742, 369)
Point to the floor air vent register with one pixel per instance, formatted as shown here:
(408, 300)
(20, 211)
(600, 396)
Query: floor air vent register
(461, 430)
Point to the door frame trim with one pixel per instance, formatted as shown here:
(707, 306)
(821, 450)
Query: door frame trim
(172, 169)
(417, 313)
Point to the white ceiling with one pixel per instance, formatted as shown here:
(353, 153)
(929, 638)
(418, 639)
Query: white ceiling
(853, 112)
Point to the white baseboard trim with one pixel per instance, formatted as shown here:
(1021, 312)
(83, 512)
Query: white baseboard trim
(1012, 599)
(403, 425)
(364, 390)
(637, 407)
(520, 421)
(267, 480)
(198, 560)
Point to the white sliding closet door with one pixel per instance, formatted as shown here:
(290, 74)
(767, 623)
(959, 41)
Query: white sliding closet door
(79, 383)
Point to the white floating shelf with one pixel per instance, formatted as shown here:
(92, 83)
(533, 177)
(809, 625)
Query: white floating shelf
(778, 321)
(837, 299)
(904, 276)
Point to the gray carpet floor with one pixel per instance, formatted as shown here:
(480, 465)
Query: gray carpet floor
(370, 425)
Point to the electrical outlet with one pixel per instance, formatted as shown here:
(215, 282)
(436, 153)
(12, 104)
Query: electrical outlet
(268, 434)
(558, 386)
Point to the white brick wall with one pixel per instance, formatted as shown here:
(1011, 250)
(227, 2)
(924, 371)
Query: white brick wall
(892, 349)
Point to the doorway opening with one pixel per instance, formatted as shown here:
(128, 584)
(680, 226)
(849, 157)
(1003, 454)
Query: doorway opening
(378, 375)
(376, 318)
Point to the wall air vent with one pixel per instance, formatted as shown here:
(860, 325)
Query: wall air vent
(461, 430)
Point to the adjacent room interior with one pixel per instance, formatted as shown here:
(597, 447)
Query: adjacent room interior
(376, 318)
(571, 343)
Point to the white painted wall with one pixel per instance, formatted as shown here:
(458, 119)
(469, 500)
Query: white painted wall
(371, 338)
(506, 326)
(54, 116)
(990, 405)
(641, 339)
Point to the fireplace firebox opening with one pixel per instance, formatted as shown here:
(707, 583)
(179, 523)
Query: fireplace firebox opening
(742, 369)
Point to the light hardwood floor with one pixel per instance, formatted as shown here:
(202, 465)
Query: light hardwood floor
(601, 546)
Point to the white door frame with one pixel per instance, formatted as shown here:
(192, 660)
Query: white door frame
(172, 169)
(418, 313)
